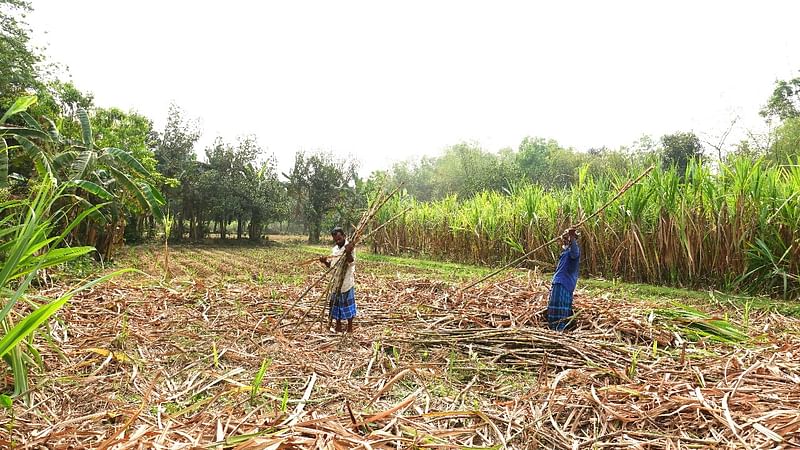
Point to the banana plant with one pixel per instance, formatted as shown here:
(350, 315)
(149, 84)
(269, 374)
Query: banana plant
(13, 138)
(114, 169)
(93, 174)
(107, 173)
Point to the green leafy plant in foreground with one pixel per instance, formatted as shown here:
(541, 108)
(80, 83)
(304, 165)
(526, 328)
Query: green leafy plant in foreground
(27, 247)
(29, 244)
(257, 380)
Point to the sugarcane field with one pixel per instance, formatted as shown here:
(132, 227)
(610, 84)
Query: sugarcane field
(388, 226)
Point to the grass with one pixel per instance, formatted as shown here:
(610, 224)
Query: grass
(258, 379)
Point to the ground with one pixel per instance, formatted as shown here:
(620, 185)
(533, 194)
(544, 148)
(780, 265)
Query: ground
(224, 355)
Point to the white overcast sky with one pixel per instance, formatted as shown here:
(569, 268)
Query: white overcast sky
(385, 81)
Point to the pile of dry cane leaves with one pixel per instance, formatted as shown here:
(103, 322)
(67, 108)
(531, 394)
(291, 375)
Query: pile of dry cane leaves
(133, 365)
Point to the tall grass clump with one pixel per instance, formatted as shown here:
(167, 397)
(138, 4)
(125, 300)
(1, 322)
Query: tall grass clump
(734, 227)
(28, 245)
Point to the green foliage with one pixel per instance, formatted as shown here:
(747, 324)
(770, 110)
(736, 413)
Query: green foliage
(546, 163)
(696, 229)
(18, 59)
(466, 169)
(317, 184)
(119, 173)
(697, 325)
(770, 269)
(679, 149)
(69, 99)
(784, 103)
(19, 106)
(93, 174)
(265, 197)
(285, 396)
(168, 221)
(235, 186)
(634, 363)
(6, 402)
(416, 177)
(29, 243)
(785, 148)
(258, 379)
(177, 161)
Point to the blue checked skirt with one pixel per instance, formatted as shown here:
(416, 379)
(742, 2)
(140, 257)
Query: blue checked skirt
(343, 305)
(559, 309)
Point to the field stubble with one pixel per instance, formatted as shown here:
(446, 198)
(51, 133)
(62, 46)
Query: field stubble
(142, 363)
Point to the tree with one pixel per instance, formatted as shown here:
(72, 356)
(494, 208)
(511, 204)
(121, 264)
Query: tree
(466, 169)
(418, 178)
(111, 174)
(131, 131)
(17, 58)
(545, 162)
(785, 148)
(679, 148)
(317, 184)
(266, 197)
(224, 184)
(177, 160)
(114, 128)
(65, 99)
(785, 100)
(95, 139)
(532, 158)
(607, 162)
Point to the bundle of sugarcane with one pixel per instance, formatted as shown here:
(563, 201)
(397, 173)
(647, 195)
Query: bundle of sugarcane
(339, 269)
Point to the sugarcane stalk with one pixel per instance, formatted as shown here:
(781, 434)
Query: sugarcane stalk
(340, 267)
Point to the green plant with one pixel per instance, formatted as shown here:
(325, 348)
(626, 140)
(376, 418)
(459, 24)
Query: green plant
(7, 403)
(168, 220)
(733, 228)
(87, 172)
(697, 325)
(32, 231)
(261, 280)
(124, 333)
(285, 397)
(746, 315)
(28, 245)
(258, 379)
(634, 364)
(770, 269)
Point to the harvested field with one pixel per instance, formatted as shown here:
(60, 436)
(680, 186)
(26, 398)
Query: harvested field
(206, 362)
